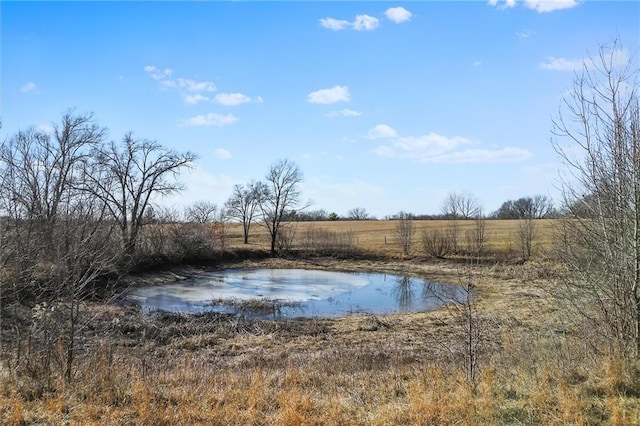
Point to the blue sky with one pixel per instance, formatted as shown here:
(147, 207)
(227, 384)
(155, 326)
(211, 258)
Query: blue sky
(384, 105)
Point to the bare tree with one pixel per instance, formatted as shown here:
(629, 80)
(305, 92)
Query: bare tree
(243, 203)
(40, 170)
(127, 176)
(535, 207)
(450, 206)
(526, 233)
(84, 253)
(460, 302)
(597, 134)
(201, 212)
(543, 207)
(466, 308)
(56, 240)
(527, 210)
(460, 205)
(39, 178)
(358, 213)
(477, 236)
(282, 197)
(455, 207)
(506, 211)
(404, 232)
(60, 192)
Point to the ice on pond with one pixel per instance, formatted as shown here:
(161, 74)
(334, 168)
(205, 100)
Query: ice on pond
(262, 293)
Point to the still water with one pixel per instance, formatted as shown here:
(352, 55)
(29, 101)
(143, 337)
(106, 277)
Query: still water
(290, 293)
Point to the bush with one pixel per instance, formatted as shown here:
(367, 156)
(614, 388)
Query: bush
(324, 240)
(436, 242)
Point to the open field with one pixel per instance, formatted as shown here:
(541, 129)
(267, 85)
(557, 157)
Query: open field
(378, 236)
(168, 369)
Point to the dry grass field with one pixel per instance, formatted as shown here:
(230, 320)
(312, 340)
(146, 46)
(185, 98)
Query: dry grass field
(533, 367)
(378, 236)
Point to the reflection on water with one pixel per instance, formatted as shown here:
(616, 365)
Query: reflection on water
(277, 293)
(403, 292)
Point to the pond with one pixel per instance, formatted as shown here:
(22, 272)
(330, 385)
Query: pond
(290, 293)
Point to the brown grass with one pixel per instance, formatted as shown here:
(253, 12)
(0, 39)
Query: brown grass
(377, 236)
(348, 371)
(135, 369)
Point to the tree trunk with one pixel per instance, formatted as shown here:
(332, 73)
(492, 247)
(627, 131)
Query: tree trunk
(273, 244)
(246, 233)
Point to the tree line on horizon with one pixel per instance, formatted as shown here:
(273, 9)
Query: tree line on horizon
(536, 207)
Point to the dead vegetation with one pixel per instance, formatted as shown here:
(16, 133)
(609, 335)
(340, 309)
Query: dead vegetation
(161, 368)
(379, 238)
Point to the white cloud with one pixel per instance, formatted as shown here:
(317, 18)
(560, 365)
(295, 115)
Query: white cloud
(231, 99)
(329, 96)
(189, 85)
(420, 148)
(504, 155)
(222, 154)
(618, 58)
(360, 23)
(502, 4)
(234, 99)
(334, 24)
(194, 99)
(435, 148)
(476, 64)
(542, 6)
(561, 64)
(365, 23)
(398, 14)
(181, 84)
(344, 113)
(210, 119)
(30, 87)
(158, 74)
(382, 131)
(193, 91)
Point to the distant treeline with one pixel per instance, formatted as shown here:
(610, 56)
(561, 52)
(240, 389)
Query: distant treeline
(530, 207)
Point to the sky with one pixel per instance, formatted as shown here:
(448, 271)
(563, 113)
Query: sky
(386, 106)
